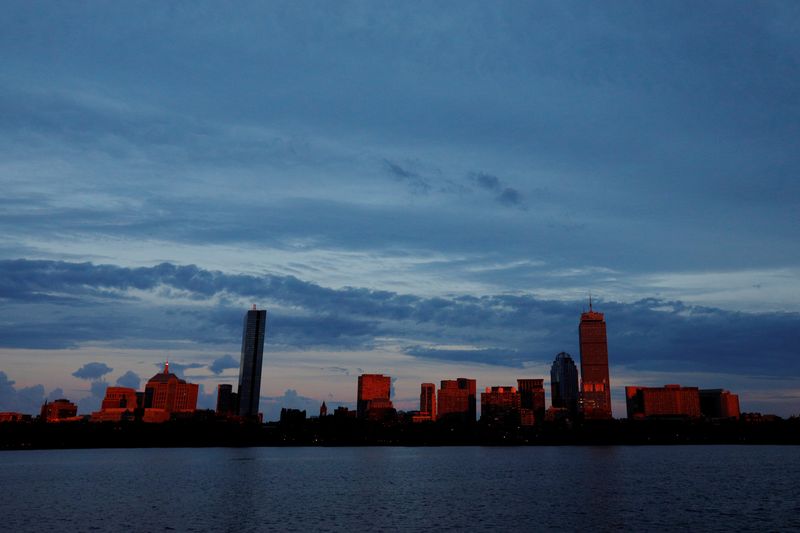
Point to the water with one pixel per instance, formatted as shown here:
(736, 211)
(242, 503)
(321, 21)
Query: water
(697, 488)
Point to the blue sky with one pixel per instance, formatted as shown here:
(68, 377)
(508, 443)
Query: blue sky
(421, 190)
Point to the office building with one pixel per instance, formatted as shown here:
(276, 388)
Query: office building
(500, 405)
(166, 391)
(226, 400)
(456, 400)
(719, 403)
(564, 384)
(531, 398)
(666, 401)
(595, 392)
(58, 410)
(373, 396)
(249, 392)
(427, 400)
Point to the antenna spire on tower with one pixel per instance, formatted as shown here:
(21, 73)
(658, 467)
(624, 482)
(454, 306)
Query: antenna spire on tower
(590, 301)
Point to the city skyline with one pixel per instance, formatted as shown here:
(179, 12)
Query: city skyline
(412, 190)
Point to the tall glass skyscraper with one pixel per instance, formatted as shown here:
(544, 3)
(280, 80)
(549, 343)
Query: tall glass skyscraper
(595, 395)
(564, 383)
(255, 322)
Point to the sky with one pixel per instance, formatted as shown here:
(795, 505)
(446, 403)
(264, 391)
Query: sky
(424, 190)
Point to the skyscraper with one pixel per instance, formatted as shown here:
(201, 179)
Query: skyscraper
(255, 322)
(427, 400)
(595, 394)
(564, 383)
(374, 391)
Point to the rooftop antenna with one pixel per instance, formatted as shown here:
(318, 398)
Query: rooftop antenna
(166, 366)
(590, 301)
(254, 307)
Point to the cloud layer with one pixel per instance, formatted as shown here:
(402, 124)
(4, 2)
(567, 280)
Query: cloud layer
(169, 303)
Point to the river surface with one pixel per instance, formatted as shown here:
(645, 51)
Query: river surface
(686, 488)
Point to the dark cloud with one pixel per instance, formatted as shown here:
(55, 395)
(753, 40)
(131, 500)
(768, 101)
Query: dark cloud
(503, 329)
(129, 379)
(510, 197)
(505, 195)
(92, 371)
(221, 363)
(487, 181)
(416, 183)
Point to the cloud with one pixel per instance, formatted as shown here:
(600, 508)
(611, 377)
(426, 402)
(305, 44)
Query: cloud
(221, 363)
(416, 183)
(500, 329)
(92, 371)
(505, 195)
(129, 379)
(487, 181)
(27, 400)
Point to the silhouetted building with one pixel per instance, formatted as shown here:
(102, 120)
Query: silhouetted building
(226, 400)
(564, 384)
(531, 398)
(343, 412)
(500, 405)
(59, 410)
(255, 324)
(427, 401)
(292, 417)
(719, 403)
(323, 410)
(456, 399)
(168, 392)
(595, 394)
(374, 391)
(666, 401)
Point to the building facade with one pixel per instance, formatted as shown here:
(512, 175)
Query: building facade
(719, 403)
(457, 399)
(500, 405)
(666, 401)
(249, 392)
(564, 384)
(58, 410)
(373, 395)
(531, 398)
(168, 392)
(226, 400)
(427, 400)
(595, 392)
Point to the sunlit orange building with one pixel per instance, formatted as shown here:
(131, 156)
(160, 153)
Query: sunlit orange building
(118, 404)
(59, 410)
(456, 399)
(595, 392)
(168, 392)
(373, 397)
(666, 401)
(427, 401)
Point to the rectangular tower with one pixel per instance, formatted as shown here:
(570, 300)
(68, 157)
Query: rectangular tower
(595, 391)
(427, 400)
(255, 323)
(374, 392)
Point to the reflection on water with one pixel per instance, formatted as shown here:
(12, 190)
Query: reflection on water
(300, 489)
